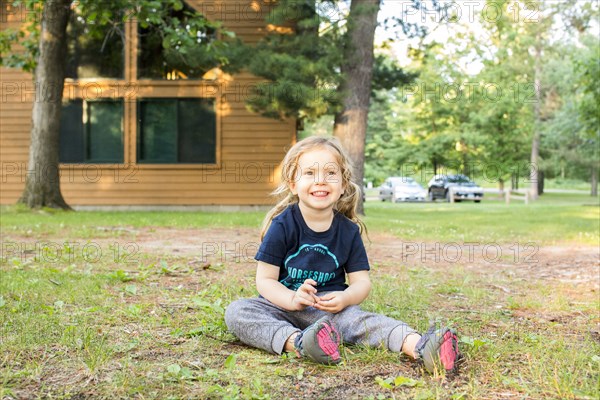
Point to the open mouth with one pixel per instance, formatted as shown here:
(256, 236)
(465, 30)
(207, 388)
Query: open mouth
(320, 193)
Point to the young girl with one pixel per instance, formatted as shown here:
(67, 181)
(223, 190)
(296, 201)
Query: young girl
(311, 241)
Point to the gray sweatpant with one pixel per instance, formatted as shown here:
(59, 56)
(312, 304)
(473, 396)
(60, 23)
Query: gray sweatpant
(259, 323)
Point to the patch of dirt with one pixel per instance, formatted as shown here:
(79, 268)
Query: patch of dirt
(202, 249)
(576, 265)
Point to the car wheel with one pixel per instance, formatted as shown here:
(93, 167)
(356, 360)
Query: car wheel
(430, 196)
(447, 196)
(477, 201)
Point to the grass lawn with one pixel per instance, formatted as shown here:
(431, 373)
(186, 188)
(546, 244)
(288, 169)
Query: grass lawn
(130, 305)
(555, 218)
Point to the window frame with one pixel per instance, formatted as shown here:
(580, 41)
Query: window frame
(122, 78)
(85, 109)
(215, 36)
(139, 124)
(130, 89)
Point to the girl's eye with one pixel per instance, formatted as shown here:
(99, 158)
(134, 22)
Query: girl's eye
(332, 173)
(308, 173)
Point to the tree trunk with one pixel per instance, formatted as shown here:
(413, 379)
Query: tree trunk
(535, 145)
(594, 191)
(351, 123)
(42, 184)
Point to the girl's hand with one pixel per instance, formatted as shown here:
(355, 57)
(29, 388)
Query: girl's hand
(305, 296)
(333, 302)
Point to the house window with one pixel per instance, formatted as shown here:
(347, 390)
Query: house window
(91, 131)
(94, 53)
(176, 130)
(156, 61)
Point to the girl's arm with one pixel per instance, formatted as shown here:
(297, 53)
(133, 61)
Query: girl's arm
(359, 286)
(270, 288)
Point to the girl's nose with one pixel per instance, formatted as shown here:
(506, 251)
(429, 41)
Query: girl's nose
(320, 177)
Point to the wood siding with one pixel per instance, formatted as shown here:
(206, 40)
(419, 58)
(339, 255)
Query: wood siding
(249, 147)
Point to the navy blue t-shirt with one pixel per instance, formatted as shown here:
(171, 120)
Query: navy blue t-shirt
(302, 253)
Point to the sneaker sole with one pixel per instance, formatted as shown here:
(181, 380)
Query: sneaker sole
(449, 353)
(323, 346)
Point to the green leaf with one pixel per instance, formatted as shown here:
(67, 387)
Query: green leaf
(174, 369)
(230, 361)
(386, 384)
(215, 306)
(2, 302)
(186, 373)
(476, 343)
(134, 309)
(300, 374)
(131, 289)
(425, 395)
(177, 5)
(121, 276)
(166, 43)
(406, 381)
(272, 361)
(202, 303)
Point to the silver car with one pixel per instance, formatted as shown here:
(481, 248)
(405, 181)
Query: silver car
(399, 188)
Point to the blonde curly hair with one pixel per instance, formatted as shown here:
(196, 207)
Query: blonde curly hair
(347, 202)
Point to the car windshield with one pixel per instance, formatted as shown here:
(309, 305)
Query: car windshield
(402, 181)
(459, 179)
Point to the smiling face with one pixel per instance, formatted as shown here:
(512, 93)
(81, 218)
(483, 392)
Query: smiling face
(318, 180)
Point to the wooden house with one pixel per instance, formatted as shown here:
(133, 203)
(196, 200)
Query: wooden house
(137, 132)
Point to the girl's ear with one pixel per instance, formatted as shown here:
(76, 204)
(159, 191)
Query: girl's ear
(292, 186)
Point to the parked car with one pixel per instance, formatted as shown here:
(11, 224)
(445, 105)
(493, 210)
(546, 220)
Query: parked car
(443, 186)
(399, 188)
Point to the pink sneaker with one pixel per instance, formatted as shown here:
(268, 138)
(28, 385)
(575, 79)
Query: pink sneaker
(438, 349)
(320, 342)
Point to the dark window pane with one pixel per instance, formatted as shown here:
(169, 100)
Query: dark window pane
(72, 147)
(156, 62)
(177, 131)
(105, 131)
(157, 131)
(91, 132)
(94, 53)
(197, 131)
